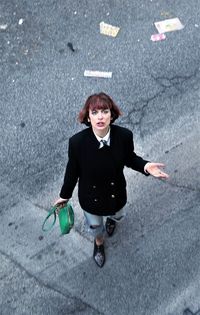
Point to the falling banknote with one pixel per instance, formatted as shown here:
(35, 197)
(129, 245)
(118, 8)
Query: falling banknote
(169, 25)
(97, 74)
(158, 37)
(108, 29)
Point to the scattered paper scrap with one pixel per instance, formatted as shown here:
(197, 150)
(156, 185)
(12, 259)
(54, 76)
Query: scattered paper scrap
(21, 21)
(25, 51)
(169, 25)
(157, 37)
(98, 74)
(3, 27)
(107, 29)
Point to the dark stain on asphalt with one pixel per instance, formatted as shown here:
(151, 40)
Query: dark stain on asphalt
(22, 125)
(71, 46)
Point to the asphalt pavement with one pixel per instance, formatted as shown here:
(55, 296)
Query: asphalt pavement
(152, 261)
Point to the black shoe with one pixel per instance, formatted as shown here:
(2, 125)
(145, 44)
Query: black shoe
(110, 226)
(99, 254)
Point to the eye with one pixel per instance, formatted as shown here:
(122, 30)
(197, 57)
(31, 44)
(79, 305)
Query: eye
(93, 112)
(106, 111)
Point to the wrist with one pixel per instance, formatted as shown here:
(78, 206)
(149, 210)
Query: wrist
(146, 167)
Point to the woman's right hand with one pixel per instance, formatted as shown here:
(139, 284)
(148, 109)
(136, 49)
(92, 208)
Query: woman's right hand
(59, 202)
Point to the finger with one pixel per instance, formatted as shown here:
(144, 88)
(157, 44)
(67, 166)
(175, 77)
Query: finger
(163, 175)
(158, 173)
(58, 210)
(59, 202)
(160, 165)
(56, 202)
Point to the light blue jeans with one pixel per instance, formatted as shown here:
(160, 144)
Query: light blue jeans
(95, 223)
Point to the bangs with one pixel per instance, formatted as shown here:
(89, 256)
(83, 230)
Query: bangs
(99, 101)
(99, 104)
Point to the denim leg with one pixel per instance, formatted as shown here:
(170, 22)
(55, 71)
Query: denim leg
(95, 224)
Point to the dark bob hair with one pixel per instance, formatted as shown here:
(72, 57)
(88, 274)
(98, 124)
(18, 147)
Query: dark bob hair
(98, 101)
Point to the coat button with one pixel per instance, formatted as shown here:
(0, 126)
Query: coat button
(94, 186)
(95, 199)
(112, 196)
(112, 184)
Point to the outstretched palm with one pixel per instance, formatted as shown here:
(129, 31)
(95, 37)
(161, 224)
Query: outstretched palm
(155, 169)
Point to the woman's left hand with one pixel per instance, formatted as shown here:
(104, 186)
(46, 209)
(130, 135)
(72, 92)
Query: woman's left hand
(155, 170)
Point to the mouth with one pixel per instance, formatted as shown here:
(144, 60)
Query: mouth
(100, 124)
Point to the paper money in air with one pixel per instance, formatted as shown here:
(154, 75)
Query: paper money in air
(169, 25)
(97, 74)
(109, 30)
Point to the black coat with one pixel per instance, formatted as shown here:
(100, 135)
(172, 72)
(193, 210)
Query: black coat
(99, 172)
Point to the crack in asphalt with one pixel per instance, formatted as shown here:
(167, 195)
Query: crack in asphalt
(179, 186)
(174, 81)
(174, 147)
(50, 287)
(165, 83)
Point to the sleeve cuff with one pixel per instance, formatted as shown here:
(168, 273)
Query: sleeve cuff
(145, 169)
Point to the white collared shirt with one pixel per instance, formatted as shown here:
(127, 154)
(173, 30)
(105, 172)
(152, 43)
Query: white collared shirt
(106, 138)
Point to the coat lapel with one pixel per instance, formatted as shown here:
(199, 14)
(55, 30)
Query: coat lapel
(92, 141)
(116, 146)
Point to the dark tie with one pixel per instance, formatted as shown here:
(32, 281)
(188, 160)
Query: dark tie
(104, 142)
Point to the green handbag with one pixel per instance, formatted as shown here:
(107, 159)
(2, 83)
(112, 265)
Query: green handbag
(65, 215)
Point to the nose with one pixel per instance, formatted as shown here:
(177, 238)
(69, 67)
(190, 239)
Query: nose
(100, 115)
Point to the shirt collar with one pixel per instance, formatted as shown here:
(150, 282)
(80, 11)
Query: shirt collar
(106, 138)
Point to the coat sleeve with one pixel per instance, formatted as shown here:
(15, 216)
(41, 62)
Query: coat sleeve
(133, 160)
(71, 173)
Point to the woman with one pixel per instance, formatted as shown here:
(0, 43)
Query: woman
(96, 159)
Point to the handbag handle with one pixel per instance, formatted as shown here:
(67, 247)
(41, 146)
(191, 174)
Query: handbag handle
(51, 212)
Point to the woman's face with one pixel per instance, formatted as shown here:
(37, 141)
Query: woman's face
(100, 120)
